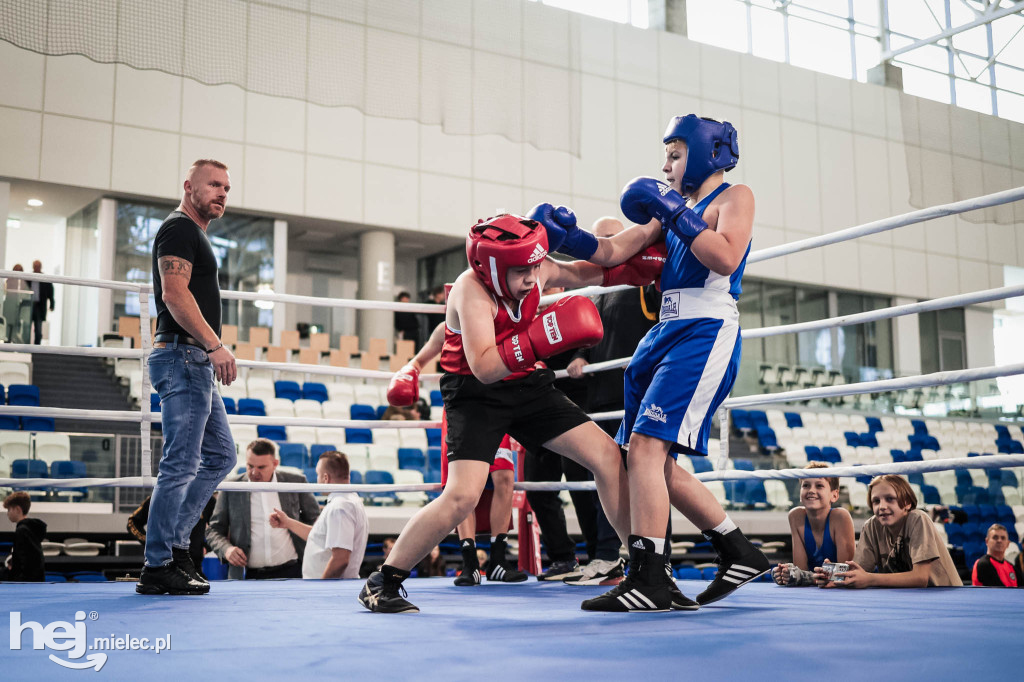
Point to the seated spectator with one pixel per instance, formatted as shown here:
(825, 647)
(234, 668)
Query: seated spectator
(139, 519)
(25, 563)
(818, 531)
(993, 570)
(400, 413)
(432, 565)
(336, 542)
(240, 531)
(898, 547)
(386, 546)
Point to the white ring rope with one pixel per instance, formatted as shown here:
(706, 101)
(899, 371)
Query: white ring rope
(901, 468)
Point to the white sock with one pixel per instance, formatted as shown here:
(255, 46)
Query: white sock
(725, 526)
(659, 544)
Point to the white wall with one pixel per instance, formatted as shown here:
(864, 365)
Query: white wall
(821, 153)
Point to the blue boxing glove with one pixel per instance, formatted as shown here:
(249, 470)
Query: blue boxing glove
(646, 198)
(564, 235)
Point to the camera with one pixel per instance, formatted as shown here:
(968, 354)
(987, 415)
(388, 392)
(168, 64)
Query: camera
(835, 572)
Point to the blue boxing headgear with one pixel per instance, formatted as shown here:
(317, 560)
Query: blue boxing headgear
(710, 146)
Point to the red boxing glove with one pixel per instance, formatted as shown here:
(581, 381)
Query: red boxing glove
(404, 389)
(570, 322)
(640, 270)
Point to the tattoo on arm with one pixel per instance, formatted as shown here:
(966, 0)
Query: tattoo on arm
(172, 266)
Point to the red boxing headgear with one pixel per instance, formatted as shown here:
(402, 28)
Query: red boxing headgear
(502, 242)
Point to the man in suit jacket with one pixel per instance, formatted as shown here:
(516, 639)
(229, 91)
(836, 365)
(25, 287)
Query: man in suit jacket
(42, 292)
(240, 531)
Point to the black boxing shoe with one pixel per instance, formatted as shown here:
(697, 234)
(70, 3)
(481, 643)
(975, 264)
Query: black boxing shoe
(182, 558)
(646, 587)
(168, 579)
(385, 594)
(739, 562)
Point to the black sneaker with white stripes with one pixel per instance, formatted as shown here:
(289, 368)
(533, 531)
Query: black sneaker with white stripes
(647, 587)
(739, 562)
(468, 578)
(500, 573)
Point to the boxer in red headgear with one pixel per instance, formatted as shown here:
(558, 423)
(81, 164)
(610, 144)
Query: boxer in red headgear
(491, 385)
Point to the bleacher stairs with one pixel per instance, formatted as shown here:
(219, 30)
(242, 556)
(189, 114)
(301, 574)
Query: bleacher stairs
(81, 383)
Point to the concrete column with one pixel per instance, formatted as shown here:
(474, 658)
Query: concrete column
(5, 212)
(906, 341)
(981, 348)
(280, 277)
(106, 229)
(667, 15)
(376, 283)
(886, 74)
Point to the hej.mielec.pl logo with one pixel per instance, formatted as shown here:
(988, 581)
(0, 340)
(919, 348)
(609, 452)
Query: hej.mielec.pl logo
(72, 638)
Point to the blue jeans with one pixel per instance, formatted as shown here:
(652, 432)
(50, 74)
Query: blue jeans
(198, 448)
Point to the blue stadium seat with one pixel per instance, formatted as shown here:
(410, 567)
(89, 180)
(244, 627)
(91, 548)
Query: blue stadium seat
(25, 395)
(310, 473)
(229, 406)
(736, 492)
(898, 455)
(88, 577)
(314, 390)
(434, 460)
(914, 455)
(355, 477)
(955, 534)
(154, 402)
(9, 422)
(987, 515)
(931, 494)
(435, 399)
(974, 551)
(1009, 478)
(700, 464)
(974, 454)
(756, 494)
(868, 440)
(289, 390)
(852, 438)
(973, 513)
(358, 435)
(766, 439)
(56, 577)
(1008, 446)
(759, 419)
(1002, 431)
(794, 420)
(432, 476)
(67, 469)
(251, 407)
(920, 429)
(741, 421)
(412, 458)
(214, 568)
(831, 455)
(29, 468)
(374, 477)
(1004, 514)
(434, 438)
(316, 450)
(709, 573)
(874, 424)
(38, 424)
(915, 478)
(813, 453)
(743, 464)
(292, 454)
(687, 573)
(379, 412)
(362, 411)
(963, 477)
(272, 432)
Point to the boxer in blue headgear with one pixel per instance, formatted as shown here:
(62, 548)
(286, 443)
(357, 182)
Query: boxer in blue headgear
(710, 146)
(686, 365)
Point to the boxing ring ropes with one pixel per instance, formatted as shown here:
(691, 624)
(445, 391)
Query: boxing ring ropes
(146, 417)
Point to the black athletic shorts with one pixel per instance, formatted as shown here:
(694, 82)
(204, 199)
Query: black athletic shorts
(529, 409)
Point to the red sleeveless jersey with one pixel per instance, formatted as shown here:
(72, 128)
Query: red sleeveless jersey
(453, 357)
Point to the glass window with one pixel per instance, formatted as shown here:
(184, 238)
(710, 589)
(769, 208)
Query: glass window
(974, 96)
(865, 350)
(820, 48)
(1011, 106)
(934, 86)
(767, 34)
(943, 340)
(718, 22)
(243, 245)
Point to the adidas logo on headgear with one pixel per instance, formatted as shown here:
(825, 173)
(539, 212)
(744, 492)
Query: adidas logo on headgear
(538, 253)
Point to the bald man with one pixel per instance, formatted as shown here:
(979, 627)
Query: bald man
(187, 358)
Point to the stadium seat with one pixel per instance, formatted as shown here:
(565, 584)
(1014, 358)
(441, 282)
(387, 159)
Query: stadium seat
(52, 447)
(272, 432)
(376, 477)
(700, 464)
(251, 407)
(318, 449)
(29, 468)
(687, 573)
(410, 477)
(314, 390)
(434, 460)
(288, 390)
(741, 421)
(38, 424)
(355, 477)
(412, 458)
(358, 436)
(69, 469)
(308, 408)
(229, 405)
(433, 438)
(435, 399)
(25, 395)
(793, 420)
(363, 411)
(293, 455)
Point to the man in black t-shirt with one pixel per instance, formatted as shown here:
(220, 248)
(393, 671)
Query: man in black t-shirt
(198, 450)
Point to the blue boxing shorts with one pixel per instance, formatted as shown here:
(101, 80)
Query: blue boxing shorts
(681, 372)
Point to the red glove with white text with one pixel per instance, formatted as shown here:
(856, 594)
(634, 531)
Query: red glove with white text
(571, 322)
(640, 270)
